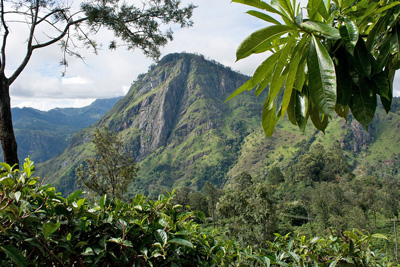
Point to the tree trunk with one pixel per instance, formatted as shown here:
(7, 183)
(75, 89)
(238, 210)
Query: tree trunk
(7, 137)
(396, 250)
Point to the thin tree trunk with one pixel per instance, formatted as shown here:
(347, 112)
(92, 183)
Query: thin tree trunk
(7, 137)
(396, 251)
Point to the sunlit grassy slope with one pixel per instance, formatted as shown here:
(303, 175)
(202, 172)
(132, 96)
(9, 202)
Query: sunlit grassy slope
(175, 122)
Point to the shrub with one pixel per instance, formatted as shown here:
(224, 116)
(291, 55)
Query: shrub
(39, 227)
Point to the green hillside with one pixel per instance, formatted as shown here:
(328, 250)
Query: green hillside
(175, 122)
(45, 134)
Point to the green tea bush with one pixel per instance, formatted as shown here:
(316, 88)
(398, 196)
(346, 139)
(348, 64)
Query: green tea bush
(39, 227)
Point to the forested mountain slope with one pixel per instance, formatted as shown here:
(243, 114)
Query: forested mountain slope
(45, 134)
(175, 122)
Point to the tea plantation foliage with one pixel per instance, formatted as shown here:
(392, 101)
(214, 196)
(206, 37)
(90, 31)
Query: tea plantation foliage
(39, 227)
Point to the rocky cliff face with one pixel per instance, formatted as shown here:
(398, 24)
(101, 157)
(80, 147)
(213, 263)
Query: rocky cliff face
(178, 103)
(185, 93)
(175, 122)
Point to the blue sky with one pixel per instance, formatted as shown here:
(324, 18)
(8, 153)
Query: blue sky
(219, 27)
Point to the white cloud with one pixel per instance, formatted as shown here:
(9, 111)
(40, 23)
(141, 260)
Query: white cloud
(219, 27)
(50, 103)
(76, 80)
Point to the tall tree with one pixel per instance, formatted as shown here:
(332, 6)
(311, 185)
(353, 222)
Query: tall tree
(212, 194)
(50, 22)
(249, 211)
(328, 58)
(110, 170)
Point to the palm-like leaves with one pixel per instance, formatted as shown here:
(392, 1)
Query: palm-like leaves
(340, 57)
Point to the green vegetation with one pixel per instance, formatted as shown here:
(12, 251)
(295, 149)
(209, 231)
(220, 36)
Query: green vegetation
(38, 227)
(134, 26)
(178, 145)
(335, 57)
(316, 194)
(110, 170)
(42, 135)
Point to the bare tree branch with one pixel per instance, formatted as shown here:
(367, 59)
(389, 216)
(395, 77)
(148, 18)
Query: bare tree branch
(3, 46)
(37, 46)
(55, 11)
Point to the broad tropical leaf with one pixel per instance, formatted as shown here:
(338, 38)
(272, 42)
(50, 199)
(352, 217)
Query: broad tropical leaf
(259, 39)
(263, 16)
(319, 122)
(259, 75)
(362, 58)
(326, 30)
(349, 34)
(348, 43)
(15, 255)
(301, 109)
(269, 117)
(363, 103)
(322, 78)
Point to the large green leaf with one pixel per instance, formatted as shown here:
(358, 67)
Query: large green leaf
(322, 78)
(312, 8)
(49, 228)
(377, 29)
(379, 84)
(285, 6)
(181, 242)
(301, 109)
(384, 53)
(319, 122)
(301, 72)
(324, 9)
(387, 7)
(291, 110)
(344, 80)
(257, 4)
(395, 41)
(263, 16)
(15, 255)
(265, 68)
(259, 38)
(349, 34)
(323, 28)
(259, 75)
(263, 84)
(342, 111)
(278, 78)
(363, 103)
(362, 59)
(162, 236)
(269, 117)
(291, 77)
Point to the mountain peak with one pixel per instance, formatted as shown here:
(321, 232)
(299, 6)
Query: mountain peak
(160, 106)
(178, 103)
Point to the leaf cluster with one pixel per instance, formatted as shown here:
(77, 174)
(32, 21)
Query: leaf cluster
(138, 26)
(111, 169)
(340, 57)
(38, 227)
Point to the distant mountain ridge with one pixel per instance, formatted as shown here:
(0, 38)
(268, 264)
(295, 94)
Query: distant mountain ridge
(173, 115)
(175, 122)
(45, 134)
